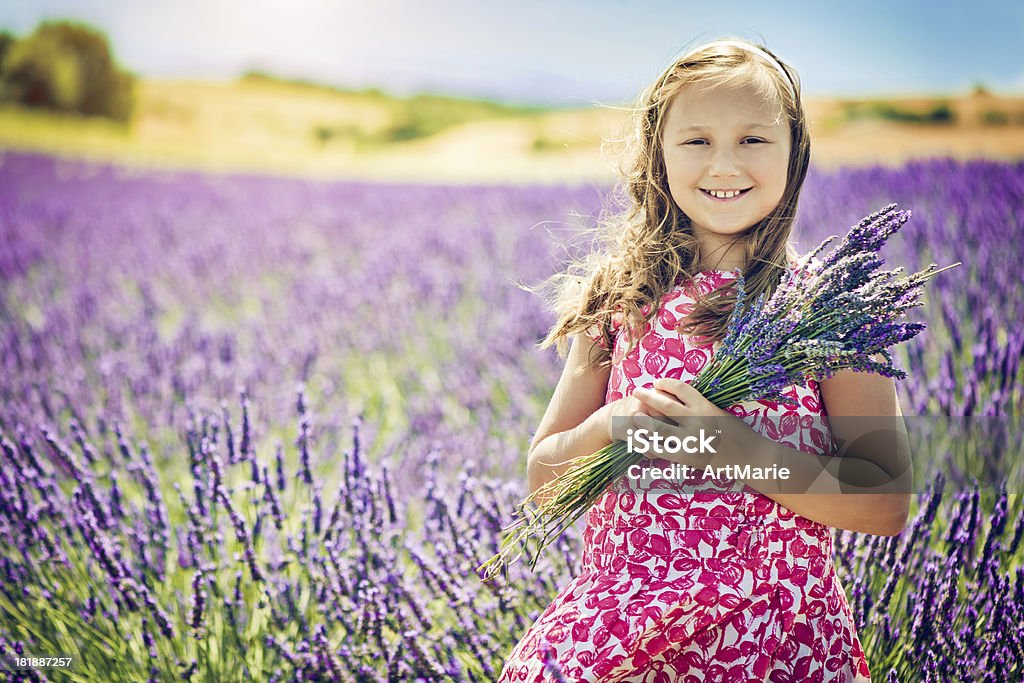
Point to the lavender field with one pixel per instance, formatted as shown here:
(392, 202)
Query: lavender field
(266, 429)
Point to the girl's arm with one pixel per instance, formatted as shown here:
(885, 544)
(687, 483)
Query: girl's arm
(574, 423)
(864, 412)
(867, 424)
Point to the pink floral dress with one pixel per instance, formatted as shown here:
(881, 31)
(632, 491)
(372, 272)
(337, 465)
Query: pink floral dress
(717, 584)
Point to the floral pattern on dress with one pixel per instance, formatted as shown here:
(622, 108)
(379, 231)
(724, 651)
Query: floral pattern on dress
(706, 584)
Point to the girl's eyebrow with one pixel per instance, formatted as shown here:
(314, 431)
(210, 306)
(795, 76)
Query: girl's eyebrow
(698, 126)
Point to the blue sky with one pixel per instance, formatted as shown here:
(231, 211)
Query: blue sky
(555, 53)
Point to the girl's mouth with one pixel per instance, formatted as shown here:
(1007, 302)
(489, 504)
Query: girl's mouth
(724, 199)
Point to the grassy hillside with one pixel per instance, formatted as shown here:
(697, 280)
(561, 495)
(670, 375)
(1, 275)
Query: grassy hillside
(265, 124)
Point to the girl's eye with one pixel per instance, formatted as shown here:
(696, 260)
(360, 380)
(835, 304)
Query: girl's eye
(693, 142)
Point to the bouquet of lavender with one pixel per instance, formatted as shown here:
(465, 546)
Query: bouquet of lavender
(825, 316)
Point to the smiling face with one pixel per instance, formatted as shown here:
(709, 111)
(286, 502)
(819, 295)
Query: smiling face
(726, 138)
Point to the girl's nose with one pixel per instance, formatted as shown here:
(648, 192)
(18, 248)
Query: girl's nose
(723, 163)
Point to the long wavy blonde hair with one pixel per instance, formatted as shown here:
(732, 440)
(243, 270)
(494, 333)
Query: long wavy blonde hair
(644, 242)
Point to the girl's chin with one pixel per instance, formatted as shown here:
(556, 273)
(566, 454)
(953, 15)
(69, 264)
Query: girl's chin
(724, 230)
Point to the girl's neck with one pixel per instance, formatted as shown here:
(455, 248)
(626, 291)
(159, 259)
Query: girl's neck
(722, 254)
(735, 263)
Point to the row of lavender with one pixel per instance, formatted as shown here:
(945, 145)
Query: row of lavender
(265, 429)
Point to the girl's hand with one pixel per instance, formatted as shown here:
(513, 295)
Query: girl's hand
(676, 398)
(621, 414)
(670, 398)
(686, 413)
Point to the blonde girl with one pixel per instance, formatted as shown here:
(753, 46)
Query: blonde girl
(734, 583)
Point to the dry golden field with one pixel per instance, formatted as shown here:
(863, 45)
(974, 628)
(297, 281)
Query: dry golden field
(269, 126)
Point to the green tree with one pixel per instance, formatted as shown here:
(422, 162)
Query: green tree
(6, 40)
(67, 66)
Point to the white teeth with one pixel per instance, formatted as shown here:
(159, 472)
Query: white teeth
(723, 195)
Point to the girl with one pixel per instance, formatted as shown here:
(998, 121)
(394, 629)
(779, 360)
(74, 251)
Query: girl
(733, 584)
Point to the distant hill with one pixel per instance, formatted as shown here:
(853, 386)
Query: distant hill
(264, 123)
